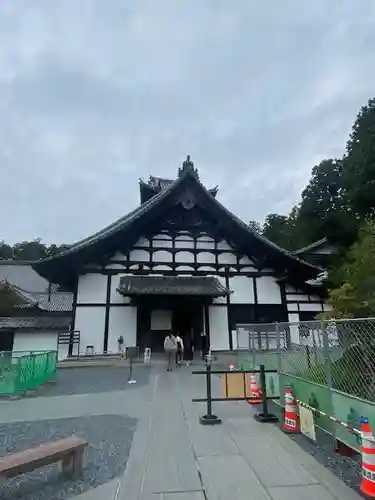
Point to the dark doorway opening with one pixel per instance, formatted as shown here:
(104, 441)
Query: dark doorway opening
(6, 340)
(186, 315)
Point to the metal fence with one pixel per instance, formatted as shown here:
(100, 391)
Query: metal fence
(337, 354)
(25, 371)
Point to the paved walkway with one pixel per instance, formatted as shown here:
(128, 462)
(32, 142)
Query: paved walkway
(173, 457)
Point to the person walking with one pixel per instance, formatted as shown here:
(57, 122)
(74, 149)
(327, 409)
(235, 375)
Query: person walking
(170, 348)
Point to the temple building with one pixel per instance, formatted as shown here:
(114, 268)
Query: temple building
(180, 261)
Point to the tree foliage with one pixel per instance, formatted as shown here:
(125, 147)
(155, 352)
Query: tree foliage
(29, 250)
(354, 294)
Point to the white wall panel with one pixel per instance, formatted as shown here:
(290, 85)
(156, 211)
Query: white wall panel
(139, 255)
(207, 268)
(162, 256)
(243, 290)
(35, 341)
(162, 241)
(142, 242)
(247, 269)
(268, 290)
(310, 307)
(118, 256)
(161, 319)
(297, 297)
(327, 307)
(184, 257)
(162, 267)
(184, 268)
(227, 258)
(292, 307)
(294, 330)
(90, 322)
(246, 261)
(116, 297)
(92, 288)
(184, 241)
(122, 321)
(205, 243)
(223, 245)
(218, 317)
(206, 258)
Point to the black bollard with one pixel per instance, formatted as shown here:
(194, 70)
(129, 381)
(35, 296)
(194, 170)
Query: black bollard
(209, 418)
(264, 415)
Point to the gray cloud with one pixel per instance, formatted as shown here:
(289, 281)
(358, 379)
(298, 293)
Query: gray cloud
(97, 94)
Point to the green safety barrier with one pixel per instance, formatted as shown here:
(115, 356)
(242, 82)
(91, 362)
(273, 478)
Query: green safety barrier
(20, 372)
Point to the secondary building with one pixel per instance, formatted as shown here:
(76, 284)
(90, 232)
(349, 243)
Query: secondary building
(180, 261)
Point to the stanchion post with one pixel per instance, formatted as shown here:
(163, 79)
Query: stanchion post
(264, 415)
(132, 352)
(209, 418)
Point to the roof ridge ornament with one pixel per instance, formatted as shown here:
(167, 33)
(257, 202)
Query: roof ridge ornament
(188, 167)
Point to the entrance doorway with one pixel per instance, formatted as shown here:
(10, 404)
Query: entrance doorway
(6, 340)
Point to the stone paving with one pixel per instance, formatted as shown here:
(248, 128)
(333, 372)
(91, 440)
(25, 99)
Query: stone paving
(174, 458)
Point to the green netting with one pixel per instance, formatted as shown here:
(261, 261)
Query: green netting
(26, 372)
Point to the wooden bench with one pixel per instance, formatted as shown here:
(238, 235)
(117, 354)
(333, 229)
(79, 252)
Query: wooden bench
(69, 451)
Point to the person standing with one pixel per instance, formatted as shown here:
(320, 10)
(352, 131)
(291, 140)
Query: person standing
(204, 345)
(188, 350)
(170, 348)
(180, 350)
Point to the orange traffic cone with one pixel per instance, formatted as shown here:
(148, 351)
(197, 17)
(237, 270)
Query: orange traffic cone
(291, 420)
(368, 459)
(256, 393)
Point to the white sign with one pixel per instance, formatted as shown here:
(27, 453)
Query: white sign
(307, 424)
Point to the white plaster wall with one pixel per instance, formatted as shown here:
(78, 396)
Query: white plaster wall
(139, 255)
(161, 319)
(39, 341)
(292, 307)
(184, 257)
(90, 322)
(205, 243)
(243, 290)
(310, 307)
(297, 297)
(294, 331)
(327, 307)
(118, 256)
(184, 241)
(268, 290)
(227, 258)
(224, 245)
(218, 317)
(92, 288)
(246, 261)
(162, 256)
(122, 321)
(117, 298)
(206, 258)
(162, 241)
(184, 268)
(142, 242)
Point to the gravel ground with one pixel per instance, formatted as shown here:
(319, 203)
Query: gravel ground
(95, 380)
(109, 439)
(348, 469)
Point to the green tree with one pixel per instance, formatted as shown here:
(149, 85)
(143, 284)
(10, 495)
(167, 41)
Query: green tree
(323, 212)
(6, 251)
(359, 163)
(280, 229)
(355, 295)
(255, 225)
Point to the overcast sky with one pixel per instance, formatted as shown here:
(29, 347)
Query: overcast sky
(96, 94)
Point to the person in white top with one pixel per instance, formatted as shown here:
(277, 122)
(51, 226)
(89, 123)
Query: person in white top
(180, 350)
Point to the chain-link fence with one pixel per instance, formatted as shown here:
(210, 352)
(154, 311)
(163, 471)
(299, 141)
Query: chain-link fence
(339, 355)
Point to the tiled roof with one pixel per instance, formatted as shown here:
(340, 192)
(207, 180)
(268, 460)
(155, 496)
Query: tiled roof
(36, 323)
(54, 301)
(23, 275)
(172, 285)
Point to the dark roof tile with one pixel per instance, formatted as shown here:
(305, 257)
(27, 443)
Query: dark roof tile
(172, 285)
(35, 323)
